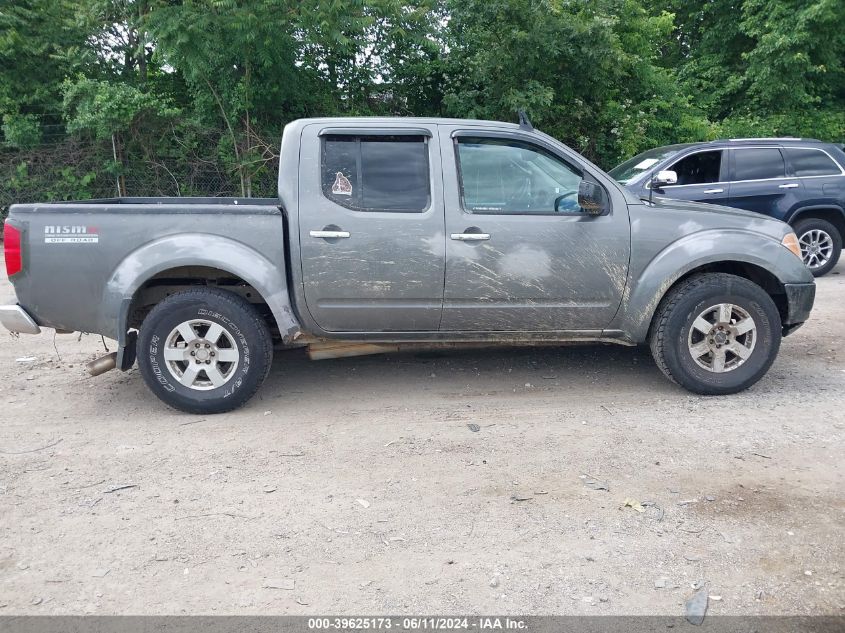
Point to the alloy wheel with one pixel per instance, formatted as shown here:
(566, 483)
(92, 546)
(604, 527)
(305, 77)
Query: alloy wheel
(816, 248)
(201, 355)
(722, 338)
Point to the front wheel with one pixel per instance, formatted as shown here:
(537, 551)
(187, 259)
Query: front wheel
(821, 245)
(715, 334)
(204, 350)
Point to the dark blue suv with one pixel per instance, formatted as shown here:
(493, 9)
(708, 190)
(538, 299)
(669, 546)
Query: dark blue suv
(799, 181)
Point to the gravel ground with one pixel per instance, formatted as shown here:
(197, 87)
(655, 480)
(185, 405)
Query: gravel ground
(358, 486)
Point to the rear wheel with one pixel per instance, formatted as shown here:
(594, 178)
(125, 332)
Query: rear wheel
(204, 350)
(716, 334)
(821, 245)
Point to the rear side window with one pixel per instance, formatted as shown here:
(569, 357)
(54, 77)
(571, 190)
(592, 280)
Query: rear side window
(811, 162)
(758, 164)
(376, 173)
(700, 168)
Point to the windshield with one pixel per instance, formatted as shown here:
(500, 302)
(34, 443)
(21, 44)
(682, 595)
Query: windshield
(641, 163)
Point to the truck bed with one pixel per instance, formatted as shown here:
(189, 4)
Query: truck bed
(255, 206)
(84, 259)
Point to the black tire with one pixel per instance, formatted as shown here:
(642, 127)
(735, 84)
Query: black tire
(245, 337)
(804, 228)
(672, 333)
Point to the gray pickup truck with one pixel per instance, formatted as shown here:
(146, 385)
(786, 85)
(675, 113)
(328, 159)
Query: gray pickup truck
(392, 234)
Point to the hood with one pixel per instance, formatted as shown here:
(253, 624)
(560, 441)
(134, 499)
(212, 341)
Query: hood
(713, 209)
(701, 216)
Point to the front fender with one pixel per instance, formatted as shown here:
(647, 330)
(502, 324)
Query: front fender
(649, 285)
(195, 249)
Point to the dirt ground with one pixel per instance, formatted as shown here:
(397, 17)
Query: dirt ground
(357, 486)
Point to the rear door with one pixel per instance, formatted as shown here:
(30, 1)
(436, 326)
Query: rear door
(821, 176)
(371, 228)
(521, 255)
(702, 177)
(760, 182)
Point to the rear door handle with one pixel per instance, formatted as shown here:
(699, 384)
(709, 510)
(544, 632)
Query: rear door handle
(714, 191)
(791, 185)
(470, 237)
(329, 234)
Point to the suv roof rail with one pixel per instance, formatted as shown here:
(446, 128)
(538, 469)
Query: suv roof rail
(767, 138)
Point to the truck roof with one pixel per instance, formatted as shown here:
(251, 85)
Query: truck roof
(400, 120)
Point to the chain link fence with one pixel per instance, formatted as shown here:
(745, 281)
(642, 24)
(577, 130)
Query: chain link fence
(73, 169)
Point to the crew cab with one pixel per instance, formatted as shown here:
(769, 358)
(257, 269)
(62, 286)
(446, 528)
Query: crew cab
(397, 233)
(799, 181)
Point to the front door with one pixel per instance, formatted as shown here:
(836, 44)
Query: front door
(521, 255)
(371, 228)
(702, 177)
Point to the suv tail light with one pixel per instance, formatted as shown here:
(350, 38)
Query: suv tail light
(12, 248)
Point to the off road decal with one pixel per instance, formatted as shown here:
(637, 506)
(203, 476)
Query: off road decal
(69, 234)
(341, 186)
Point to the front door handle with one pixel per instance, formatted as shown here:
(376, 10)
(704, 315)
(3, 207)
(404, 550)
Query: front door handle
(791, 185)
(714, 191)
(470, 237)
(329, 234)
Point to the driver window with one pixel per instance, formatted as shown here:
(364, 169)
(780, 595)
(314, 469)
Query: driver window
(501, 176)
(701, 168)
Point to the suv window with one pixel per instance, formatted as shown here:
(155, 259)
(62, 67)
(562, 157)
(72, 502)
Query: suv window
(758, 163)
(502, 176)
(376, 173)
(811, 162)
(700, 168)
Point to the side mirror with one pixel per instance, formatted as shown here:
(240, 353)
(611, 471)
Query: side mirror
(591, 198)
(663, 178)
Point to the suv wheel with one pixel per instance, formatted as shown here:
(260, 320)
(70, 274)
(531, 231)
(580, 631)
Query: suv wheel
(204, 350)
(821, 245)
(715, 334)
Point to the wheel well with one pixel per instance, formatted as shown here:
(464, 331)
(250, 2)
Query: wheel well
(760, 276)
(834, 216)
(167, 282)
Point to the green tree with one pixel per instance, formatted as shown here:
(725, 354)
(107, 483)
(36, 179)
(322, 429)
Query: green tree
(41, 43)
(762, 67)
(104, 109)
(586, 72)
(118, 37)
(22, 131)
(370, 55)
(798, 53)
(109, 110)
(239, 60)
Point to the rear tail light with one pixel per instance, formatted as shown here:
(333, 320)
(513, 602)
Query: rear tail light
(12, 249)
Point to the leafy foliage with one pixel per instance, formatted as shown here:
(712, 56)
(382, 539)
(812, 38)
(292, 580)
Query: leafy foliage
(190, 96)
(22, 131)
(587, 73)
(763, 67)
(104, 108)
(41, 43)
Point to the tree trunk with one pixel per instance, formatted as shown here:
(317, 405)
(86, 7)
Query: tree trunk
(232, 135)
(120, 181)
(142, 44)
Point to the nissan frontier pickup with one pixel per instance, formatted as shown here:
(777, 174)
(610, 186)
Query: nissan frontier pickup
(398, 233)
